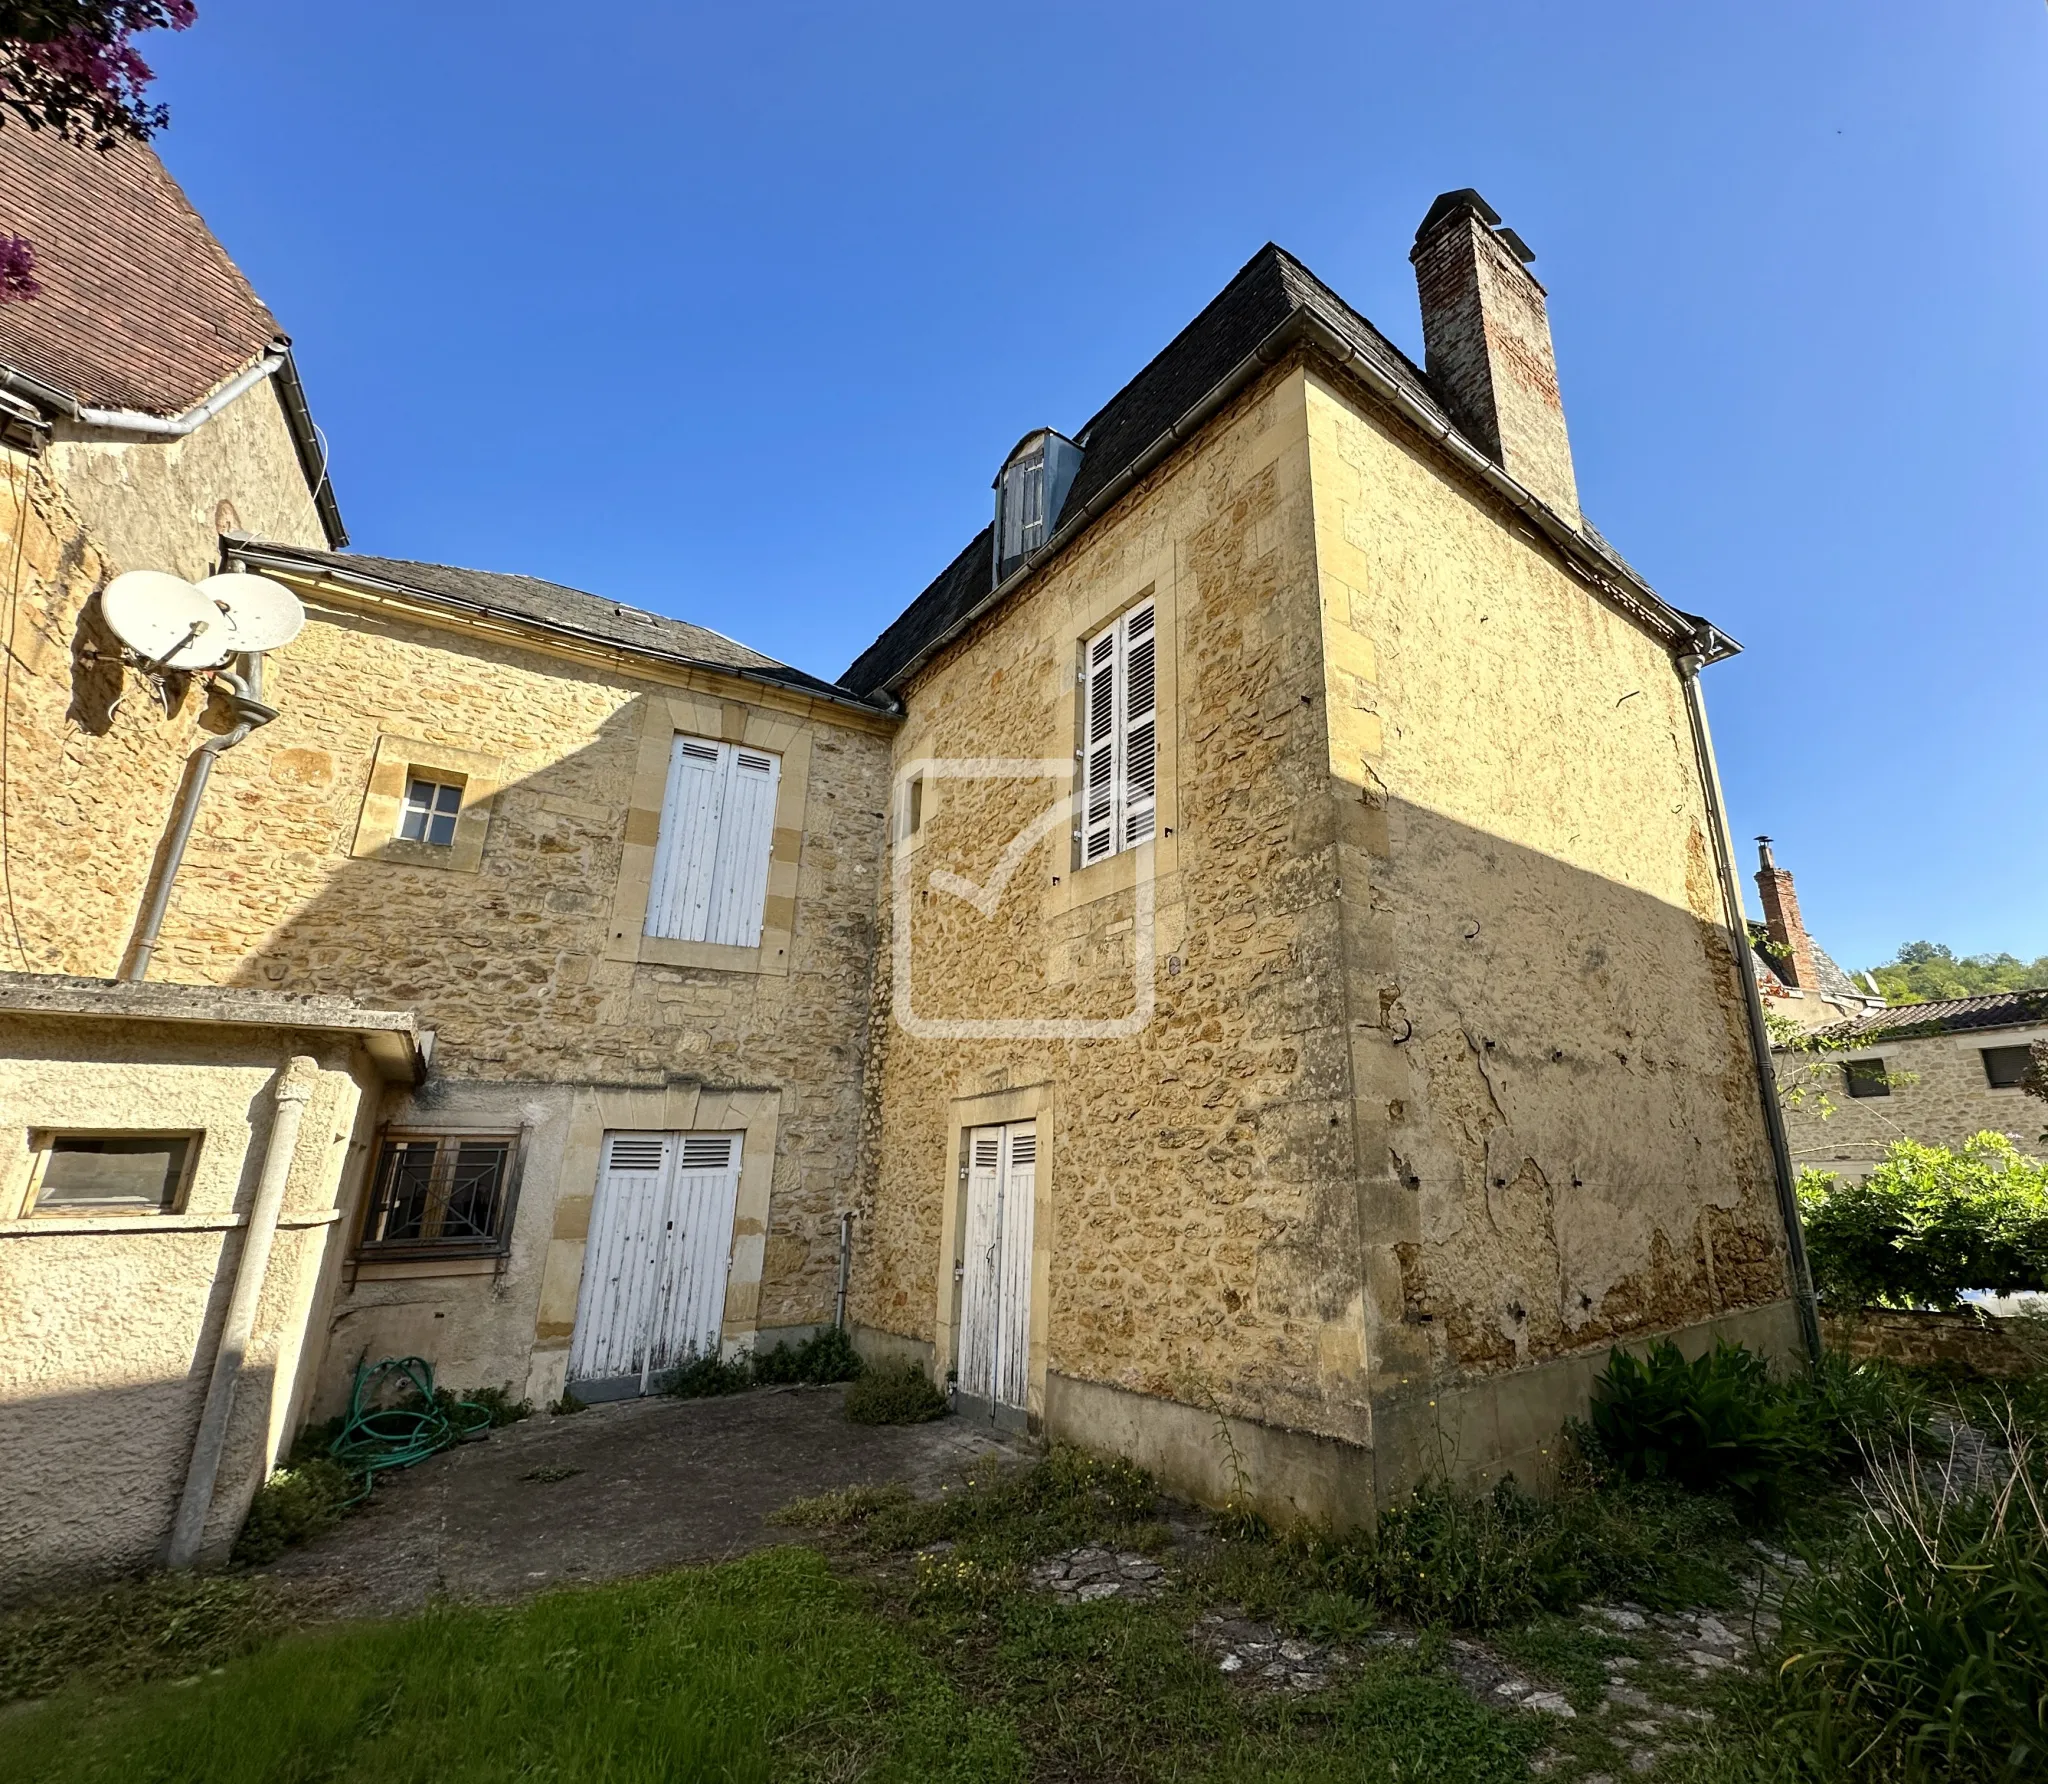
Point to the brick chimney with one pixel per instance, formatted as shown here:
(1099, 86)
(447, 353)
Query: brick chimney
(1792, 956)
(1486, 340)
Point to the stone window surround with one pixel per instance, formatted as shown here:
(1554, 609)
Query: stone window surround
(754, 1114)
(991, 1108)
(664, 717)
(394, 763)
(1079, 618)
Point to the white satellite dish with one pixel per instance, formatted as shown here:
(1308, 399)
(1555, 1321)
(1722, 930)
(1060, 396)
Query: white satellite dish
(260, 614)
(166, 621)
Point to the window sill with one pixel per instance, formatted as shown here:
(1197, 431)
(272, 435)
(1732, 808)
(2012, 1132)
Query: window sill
(398, 1269)
(30, 1226)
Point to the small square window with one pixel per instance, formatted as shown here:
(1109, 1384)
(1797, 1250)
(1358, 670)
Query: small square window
(1866, 1077)
(430, 811)
(440, 1192)
(2005, 1068)
(112, 1173)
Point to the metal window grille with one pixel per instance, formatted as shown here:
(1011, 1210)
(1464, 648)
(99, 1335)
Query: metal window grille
(443, 1192)
(431, 808)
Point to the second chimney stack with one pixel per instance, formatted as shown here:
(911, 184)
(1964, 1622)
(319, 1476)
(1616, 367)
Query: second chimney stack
(1486, 339)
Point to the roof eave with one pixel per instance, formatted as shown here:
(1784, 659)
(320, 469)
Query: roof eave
(257, 555)
(1603, 571)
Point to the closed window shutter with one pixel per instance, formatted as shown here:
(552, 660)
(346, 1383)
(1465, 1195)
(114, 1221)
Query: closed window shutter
(711, 859)
(686, 854)
(1140, 751)
(1098, 749)
(746, 838)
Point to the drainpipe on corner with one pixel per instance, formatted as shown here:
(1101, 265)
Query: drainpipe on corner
(1759, 1035)
(845, 1267)
(293, 1089)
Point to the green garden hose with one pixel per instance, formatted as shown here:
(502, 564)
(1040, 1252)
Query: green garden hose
(420, 1424)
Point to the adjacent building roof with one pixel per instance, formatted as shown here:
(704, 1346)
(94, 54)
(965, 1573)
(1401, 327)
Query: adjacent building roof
(1162, 403)
(548, 604)
(1954, 1015)
(1835, 985)
(140, 308)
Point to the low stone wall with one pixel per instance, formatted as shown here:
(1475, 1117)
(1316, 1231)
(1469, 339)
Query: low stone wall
(1977, 1341)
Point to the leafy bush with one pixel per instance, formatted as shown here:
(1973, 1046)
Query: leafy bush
(826, 1356)
(294, 1504)
(1929, 1224)
(1715, 1424)
(705, 1377)
(1919, 1649)
(903, 1395)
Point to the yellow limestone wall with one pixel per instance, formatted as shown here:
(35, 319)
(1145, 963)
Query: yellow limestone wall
(1447, 1083)
(516, 963)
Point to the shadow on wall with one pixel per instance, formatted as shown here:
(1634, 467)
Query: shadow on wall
(93, 1478)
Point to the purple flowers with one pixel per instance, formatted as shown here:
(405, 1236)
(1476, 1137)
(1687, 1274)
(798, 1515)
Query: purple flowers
(17, 270)
(71, 65)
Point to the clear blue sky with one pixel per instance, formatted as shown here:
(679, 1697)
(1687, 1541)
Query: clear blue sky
(731, 311)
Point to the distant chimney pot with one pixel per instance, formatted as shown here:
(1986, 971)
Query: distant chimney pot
(1487, 346)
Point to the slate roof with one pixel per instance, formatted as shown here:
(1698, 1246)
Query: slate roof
(549, 604)
(1271, 288)
(140, 308)
(1955, 1015)
(1835, 984)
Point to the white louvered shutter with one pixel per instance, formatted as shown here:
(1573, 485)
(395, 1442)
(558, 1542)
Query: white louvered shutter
(1120, 736)
(746, 837)
(717, 830)
(1140, 728)
(686, 854)
(1098, 748)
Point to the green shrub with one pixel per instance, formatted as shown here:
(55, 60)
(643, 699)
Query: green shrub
(825, 1356)
(1918, 1648)
(903, 1395)
(1715, 1424)
(705, 1377)
(1929, 1224)
(294, 1504)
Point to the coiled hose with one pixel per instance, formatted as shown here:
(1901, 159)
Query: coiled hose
(421, 1424)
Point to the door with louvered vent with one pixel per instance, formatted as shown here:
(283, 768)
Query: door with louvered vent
(995, 1284)
(655, 1267)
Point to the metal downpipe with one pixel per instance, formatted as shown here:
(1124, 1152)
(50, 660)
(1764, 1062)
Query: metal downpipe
(293, 1090)
(245, 698)
(1759, 1034)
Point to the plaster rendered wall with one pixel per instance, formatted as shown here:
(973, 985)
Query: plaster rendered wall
(1939, 1096)
(1180, 1165)
(154, 504)
(108, 1326)
(1559, 1135)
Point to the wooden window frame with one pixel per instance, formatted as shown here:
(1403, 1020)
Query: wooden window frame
(369, 1250)
(42, 1143)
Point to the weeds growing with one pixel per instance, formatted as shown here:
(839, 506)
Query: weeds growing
(903, 1395)
(825, 1356)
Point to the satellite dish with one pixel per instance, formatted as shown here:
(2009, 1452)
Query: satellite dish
(165, 620)
(259, 614)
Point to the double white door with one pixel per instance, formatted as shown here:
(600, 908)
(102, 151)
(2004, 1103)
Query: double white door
(654, 1272)
(995, 1290)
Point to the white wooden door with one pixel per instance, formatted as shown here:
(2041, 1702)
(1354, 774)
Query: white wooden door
(654, 1269)
(995, 1298)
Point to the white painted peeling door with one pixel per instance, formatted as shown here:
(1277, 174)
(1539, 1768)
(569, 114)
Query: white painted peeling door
(995, 1298)
(655, 1267)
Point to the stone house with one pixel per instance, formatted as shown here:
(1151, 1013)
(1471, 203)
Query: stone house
(1250, 950)
(1316, 1034)
(1933, 1072)
(550, 919)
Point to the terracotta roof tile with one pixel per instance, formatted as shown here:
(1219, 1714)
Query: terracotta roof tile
(141, 308)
